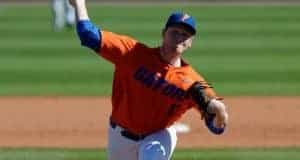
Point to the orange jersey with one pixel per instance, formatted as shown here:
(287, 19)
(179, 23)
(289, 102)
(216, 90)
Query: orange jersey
(148, 93)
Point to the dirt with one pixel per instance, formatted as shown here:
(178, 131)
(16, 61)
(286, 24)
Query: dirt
(81, 122)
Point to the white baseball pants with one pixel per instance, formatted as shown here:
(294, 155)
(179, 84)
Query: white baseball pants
(157, 146)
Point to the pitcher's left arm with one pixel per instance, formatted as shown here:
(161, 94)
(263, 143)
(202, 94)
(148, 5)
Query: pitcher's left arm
(215, 114)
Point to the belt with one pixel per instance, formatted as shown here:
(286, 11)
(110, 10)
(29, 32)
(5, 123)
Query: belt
(128, 134)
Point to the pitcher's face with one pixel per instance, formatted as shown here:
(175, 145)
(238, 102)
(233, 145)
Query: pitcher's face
(177, 39)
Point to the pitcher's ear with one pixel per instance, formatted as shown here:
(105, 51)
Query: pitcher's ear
(191, 43)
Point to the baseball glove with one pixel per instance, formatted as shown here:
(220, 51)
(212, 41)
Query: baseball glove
(209, 122)
(202, 99)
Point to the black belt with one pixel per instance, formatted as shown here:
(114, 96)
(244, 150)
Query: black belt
(128, 134)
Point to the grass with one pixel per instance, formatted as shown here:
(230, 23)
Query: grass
(199, 154)
(241, 50)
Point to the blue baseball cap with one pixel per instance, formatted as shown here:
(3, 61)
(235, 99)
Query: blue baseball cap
(183, 19)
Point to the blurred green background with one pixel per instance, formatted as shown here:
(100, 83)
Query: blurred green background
(240, 49)
(195, 154)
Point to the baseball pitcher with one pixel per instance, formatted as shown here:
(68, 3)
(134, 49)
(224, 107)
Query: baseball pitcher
(152, 87)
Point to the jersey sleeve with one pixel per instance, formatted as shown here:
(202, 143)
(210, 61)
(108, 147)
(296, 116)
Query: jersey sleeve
(115, 47)
(208, 88)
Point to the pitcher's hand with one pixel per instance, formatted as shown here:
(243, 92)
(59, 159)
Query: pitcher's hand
(219, 109)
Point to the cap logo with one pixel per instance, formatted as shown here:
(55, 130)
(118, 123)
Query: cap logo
(184, 17)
